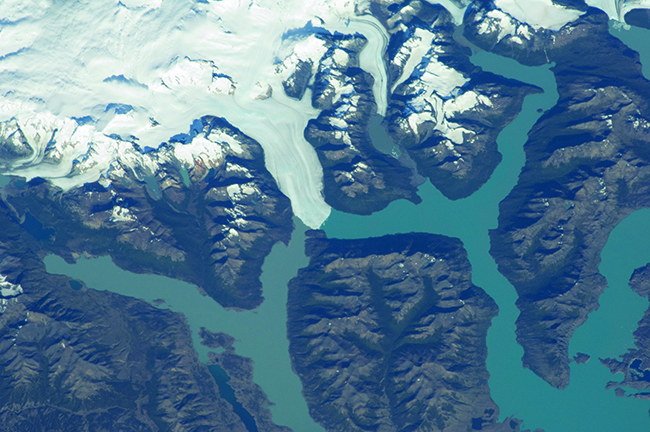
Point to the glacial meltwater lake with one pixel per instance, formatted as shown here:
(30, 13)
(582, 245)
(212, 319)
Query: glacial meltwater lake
(585, 406)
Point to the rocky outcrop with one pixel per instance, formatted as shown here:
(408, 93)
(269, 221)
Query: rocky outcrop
(388, 334)
(635, 364)
(638, 18)
(80, 360)
(444, 111)
(587, 168)
(209, 219)
(296, 84)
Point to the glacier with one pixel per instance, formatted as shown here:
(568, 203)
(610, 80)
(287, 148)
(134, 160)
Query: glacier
(539, 13)
(616, 9)
(7, 289)
(456, 8)
(80, 82)
(546, 14)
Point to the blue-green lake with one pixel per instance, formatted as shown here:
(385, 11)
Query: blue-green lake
(261, 334)
(585, 406)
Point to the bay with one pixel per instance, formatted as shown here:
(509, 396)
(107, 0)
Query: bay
(636, 38)
(585, 406)
(261, 333)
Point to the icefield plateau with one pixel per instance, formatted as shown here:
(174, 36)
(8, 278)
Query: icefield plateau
(546, 14)
(538, 13)
(616, 9)
(79, 81)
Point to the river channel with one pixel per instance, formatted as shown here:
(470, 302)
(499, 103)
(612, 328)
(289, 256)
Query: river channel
(261, 334)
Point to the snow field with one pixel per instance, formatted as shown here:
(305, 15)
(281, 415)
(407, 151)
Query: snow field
(616, 9)
(148, 68)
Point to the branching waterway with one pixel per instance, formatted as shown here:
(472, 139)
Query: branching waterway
(516, 390)
(261, 334)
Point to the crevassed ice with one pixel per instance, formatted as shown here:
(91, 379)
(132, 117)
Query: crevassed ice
(616, 9)
(371, 58)
(416, 48)
(539, 13)
(148, 68)
(456, 8)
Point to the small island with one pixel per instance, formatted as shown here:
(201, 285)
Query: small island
(581, 358)
(587, 168)
(635, 364)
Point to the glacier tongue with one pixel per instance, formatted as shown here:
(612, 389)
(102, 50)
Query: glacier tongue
(371, 58)
(539, 13)
(144, 70)
(617, 9)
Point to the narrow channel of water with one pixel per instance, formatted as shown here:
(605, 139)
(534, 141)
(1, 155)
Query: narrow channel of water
(261, 334)
(380, 138)
(608, 331)
(227, 392)
(585, 406)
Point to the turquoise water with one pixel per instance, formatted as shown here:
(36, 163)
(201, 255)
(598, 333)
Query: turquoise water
(153, 185)
(185, 177)
(380, 138)
(585, 406)
(608, 331)
(4, 180)
(635, 38)
(260, 334)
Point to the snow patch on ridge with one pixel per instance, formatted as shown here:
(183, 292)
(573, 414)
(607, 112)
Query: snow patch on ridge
(434, 90)
(465, 102)
(413, 50)
(7, 289)
(539, 13)
(311, 48)
(143, 70)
